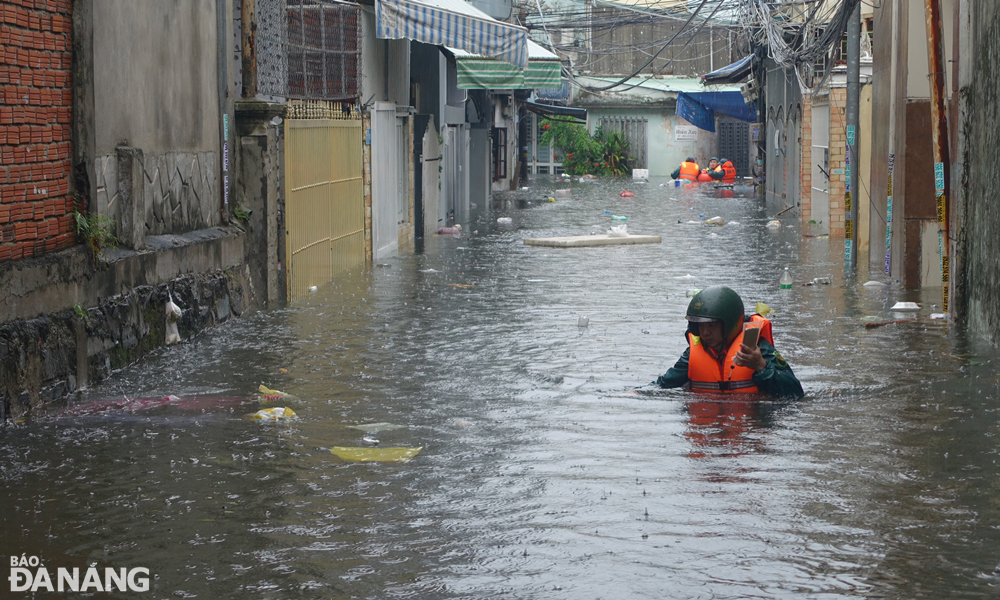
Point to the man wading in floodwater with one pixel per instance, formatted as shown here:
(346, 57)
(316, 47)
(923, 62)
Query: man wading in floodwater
(718, 361)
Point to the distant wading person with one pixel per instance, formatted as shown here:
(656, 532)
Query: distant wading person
(688, 170)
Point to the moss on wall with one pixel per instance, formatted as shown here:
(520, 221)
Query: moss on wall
(38, 357)
(978, 282)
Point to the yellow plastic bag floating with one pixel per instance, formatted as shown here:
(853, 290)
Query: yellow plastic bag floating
(762, 309)
(278, 413)
(375, 454)
(266, 394)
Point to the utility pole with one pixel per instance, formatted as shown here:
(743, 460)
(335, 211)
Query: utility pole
(939, 135)
(851, 170)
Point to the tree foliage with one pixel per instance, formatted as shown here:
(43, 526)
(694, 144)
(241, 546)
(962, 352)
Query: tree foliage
(604, 153)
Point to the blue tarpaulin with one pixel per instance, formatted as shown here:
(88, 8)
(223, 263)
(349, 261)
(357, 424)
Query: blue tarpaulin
(700, 108)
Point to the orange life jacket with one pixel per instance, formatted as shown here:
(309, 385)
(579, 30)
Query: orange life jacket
(689, 171)
(729, 172)
(709, 375)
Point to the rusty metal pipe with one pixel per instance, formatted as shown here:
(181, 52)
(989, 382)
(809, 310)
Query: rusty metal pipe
(248, 29)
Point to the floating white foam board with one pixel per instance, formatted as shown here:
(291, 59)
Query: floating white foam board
(583, 241)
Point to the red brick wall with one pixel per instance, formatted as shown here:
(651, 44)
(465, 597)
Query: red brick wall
(35, 119)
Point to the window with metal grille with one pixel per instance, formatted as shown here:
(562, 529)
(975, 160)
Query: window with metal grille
(324, 54)
(499, 153)
(734, 144)
(634, 130)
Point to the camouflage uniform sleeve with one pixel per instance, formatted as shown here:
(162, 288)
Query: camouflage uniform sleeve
(777, 378)
(677, 375)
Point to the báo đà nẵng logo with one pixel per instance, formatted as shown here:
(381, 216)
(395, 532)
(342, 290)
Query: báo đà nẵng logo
(28, 574)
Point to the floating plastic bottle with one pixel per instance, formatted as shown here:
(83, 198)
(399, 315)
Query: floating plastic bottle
(786, 280)
(619, 218)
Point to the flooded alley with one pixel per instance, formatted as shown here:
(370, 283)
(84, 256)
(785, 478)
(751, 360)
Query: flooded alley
(542, 474)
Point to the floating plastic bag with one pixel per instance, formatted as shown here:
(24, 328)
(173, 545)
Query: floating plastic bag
(173, 315)
(715, 221)
(618, 231)
(504, 220)
(375, 454)
(266, 394)
(773, 224)
(279, 413)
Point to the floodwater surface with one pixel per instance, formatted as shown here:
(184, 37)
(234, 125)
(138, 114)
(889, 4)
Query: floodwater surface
(541, 474)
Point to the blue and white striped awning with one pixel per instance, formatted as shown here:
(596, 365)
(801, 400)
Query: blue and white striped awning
(452, 23)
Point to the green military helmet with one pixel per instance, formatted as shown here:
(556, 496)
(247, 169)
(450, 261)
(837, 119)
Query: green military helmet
(717, 303)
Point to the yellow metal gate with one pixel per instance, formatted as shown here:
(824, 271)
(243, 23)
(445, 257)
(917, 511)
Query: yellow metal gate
(324, 201)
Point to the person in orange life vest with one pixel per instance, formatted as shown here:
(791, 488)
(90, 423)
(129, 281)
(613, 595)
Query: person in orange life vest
(688, 170)
(713, 172)
(705, 175)
(728, 171)
(717, 361)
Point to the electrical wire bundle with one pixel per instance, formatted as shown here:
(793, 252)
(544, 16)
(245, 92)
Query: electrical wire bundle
(812, 41)
(801, 35)
(614, 15)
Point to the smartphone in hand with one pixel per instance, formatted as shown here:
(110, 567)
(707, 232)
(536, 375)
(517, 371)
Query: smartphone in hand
(751, 331)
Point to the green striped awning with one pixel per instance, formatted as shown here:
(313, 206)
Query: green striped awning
(477, 72)
(543, 74)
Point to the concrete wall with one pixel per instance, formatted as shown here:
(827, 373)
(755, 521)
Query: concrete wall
(385, 65)
(156, 80)
(431, 179)
(426, 72)
(884, 84)
(712, 48)
(783, 120)
(498, 9)
(47, 358)
(901, 128)
(663, 151)
(977, 277)
(260, 193)
(65, 324)
(863, 190)
(61, 280)
(148, 78)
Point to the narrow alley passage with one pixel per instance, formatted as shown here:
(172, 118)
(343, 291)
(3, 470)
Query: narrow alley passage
(541, 474)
